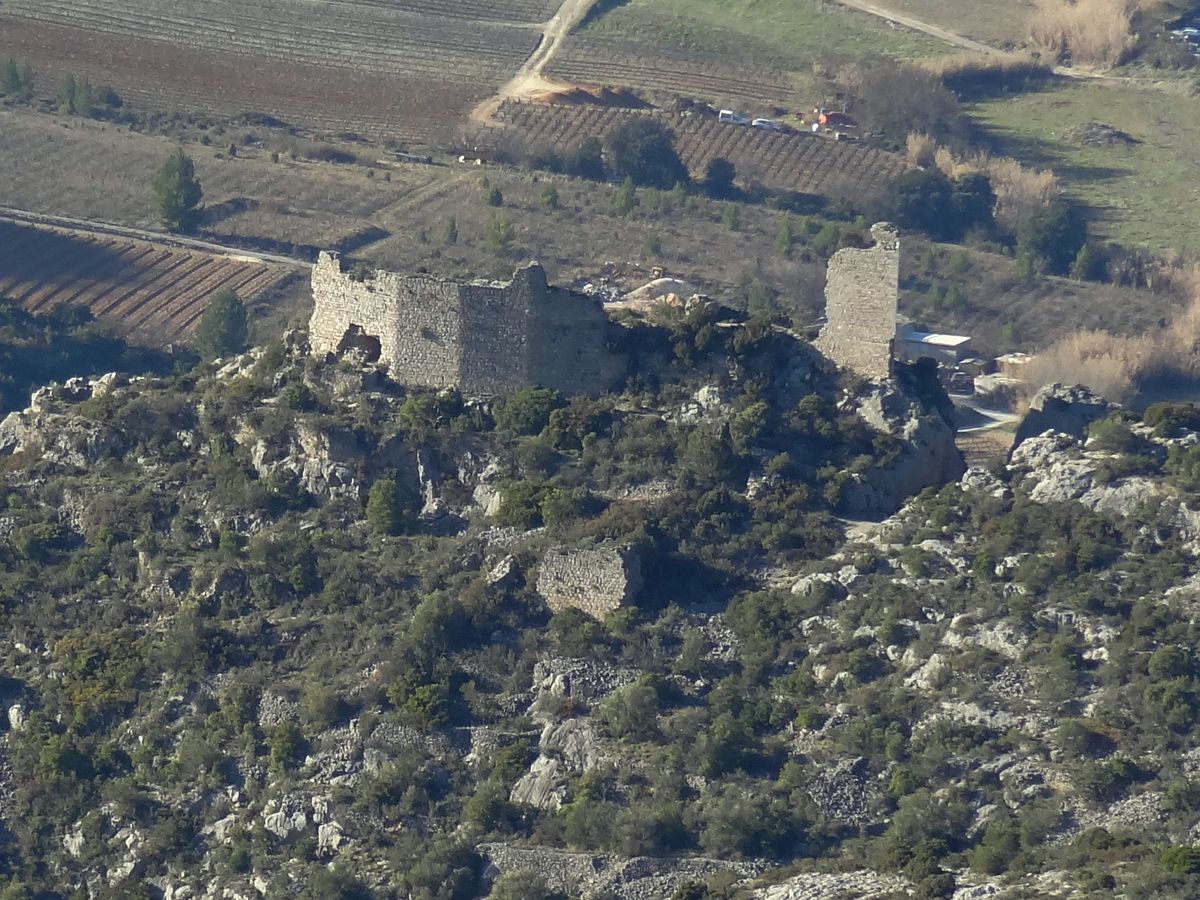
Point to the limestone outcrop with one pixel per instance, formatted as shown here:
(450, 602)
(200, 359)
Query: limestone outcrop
(926, 454)
(1066, 409)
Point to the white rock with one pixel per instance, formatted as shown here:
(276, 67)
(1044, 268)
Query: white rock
(73, 842)
(282, 824)
(330, 837)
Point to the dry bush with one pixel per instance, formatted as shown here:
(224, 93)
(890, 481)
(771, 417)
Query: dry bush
(974, 77)
(954, 168)
(919, 149)
(1108, 365)
(1087, 32)
(1020, 192)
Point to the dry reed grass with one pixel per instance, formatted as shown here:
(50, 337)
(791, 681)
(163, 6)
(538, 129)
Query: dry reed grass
(1117, 366)
(1090, 33)
(919, 149)
(1020, 190)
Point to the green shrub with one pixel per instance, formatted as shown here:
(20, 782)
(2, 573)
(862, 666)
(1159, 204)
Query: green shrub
(527, 411)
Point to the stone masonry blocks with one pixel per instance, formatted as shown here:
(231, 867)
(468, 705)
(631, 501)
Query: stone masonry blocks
(861, 295)
(484, 338)
(595, 581)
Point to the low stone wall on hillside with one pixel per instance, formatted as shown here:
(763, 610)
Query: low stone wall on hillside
(596, 581)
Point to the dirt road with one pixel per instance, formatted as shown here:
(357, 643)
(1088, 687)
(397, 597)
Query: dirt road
(86, 226)
(529, 81)
(909, 22)
(966, 43)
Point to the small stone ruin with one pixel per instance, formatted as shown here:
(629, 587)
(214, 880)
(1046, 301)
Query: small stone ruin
(596, 581)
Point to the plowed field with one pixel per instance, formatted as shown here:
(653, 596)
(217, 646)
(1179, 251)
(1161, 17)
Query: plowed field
(409, 71)
(154, 293)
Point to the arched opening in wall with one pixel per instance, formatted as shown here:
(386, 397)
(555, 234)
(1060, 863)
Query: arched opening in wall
(358, 344)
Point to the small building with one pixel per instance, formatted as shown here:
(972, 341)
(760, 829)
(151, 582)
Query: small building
(1014, 365)
(946, 349)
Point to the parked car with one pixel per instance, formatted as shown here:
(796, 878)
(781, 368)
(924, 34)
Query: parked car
(767, 125)
(728, 115)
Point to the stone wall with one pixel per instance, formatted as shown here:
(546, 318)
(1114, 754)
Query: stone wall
(861, 294)
(484, 338)
(596, 581)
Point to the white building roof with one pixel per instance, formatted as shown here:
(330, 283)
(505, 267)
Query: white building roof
(935, 340)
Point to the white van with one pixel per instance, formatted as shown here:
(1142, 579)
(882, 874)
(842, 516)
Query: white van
(728, 115)
(767, 125)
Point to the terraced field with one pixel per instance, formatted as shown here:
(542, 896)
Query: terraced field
(787, 162)
(407, 70)
(155, 294)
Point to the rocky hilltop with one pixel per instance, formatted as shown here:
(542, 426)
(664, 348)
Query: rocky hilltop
(277, 627)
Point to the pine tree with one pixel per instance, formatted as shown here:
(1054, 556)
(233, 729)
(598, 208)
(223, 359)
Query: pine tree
(385, 512)
(25, 94)
(626, 197)
(784, 237)
(222, 330)
(177, 192)
(499, 234)
(452, 231)
(65, 98)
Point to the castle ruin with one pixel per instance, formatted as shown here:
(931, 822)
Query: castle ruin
(862, 290)
(484, 338)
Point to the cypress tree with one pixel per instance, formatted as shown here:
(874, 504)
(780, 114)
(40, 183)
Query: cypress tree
(177, 192)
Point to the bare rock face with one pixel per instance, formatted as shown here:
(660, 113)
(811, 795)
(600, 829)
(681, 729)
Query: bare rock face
(823, 886)
(333, 462)
(61, 440)
(1069, 410)
(566, 749)
(640, 878)
(926, 456)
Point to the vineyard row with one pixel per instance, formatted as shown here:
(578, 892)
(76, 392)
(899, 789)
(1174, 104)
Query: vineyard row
(155, 294)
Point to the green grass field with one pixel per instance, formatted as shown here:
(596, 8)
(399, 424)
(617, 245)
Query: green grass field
(794, 33)
(997, 22)
(1146, 193)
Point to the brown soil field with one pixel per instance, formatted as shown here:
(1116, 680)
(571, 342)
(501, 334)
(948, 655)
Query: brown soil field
(70, 166)
(380, 70)
(153, 293)
(779, 161)
(619, 62)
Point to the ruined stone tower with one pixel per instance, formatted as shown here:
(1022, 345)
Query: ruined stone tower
(862, 289)
(484, 338)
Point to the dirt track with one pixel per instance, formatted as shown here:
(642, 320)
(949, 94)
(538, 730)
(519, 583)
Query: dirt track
(966, 43)
(529, 81)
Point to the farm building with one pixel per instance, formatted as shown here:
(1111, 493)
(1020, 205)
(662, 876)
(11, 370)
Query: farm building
(946, 349)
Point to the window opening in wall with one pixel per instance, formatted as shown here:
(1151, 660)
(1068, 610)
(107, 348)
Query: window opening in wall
(358, 344)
